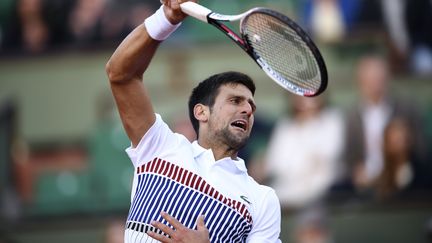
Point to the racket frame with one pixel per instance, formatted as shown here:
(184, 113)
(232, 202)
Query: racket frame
(208, 16)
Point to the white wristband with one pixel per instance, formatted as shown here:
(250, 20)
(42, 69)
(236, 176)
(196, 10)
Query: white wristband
(158, 26)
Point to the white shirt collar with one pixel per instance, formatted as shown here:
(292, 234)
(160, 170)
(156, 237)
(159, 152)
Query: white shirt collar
(227, 162)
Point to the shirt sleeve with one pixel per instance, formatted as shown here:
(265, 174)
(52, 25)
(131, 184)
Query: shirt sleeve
(158, 139)
(267, 225)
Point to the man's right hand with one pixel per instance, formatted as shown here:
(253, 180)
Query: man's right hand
(173, 11)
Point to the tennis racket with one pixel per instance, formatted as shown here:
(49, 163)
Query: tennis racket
(277, 44)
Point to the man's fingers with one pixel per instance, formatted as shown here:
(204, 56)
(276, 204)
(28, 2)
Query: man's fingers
(179, 232)
(174, 222)
(200, 222)
(201, 227)
(165, 228)
(174, 3)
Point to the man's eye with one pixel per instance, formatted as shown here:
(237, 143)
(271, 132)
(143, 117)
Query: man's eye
(235, 101)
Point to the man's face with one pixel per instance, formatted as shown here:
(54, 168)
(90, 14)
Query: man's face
(231, 117)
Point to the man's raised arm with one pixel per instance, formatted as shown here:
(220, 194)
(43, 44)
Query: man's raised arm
(127, 65)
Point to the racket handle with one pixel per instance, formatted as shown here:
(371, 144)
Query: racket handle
(195, 10)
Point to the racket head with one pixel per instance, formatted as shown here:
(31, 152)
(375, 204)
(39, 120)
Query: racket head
(284, 51)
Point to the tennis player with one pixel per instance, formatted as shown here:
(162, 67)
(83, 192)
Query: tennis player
(183, 191)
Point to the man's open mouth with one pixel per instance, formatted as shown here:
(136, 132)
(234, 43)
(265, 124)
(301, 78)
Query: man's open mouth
(240, 124)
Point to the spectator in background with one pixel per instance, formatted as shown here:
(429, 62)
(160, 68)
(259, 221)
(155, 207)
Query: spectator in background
(304, 151)
(120, 17)
(367, 119)
(34, 26)
(407, 25)
(418, 15)
(397, 173)
(329, 20)
(303, 162)
(97, 21)
(84, 19)
(396, 37)
(35, 32)
(37, 26)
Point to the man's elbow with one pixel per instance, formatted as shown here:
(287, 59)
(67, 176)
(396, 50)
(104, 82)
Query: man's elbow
(113, 73)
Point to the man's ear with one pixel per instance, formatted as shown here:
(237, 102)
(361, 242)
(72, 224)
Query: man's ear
(201, 112)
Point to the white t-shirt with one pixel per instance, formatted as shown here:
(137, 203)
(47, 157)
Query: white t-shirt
(184, 180)
(303, 157)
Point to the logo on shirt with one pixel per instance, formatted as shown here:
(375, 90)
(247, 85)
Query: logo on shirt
(246, 199)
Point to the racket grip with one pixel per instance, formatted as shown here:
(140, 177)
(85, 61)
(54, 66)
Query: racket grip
(195, 10)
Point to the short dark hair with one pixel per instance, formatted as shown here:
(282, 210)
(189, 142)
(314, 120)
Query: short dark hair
(206, 91)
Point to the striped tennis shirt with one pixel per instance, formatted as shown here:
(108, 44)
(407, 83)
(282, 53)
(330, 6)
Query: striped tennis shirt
(183, 179)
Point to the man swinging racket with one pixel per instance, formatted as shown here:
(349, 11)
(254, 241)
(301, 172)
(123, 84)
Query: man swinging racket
(183, 191)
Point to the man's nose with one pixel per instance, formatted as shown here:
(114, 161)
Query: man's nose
(247, 109)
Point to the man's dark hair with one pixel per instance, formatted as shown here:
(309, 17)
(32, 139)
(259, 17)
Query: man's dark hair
(207, 90)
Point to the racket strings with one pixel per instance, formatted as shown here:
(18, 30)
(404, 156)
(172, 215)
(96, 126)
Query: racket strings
(283, 50)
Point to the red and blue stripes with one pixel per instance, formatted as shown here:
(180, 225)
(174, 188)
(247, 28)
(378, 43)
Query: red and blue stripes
(164, 186)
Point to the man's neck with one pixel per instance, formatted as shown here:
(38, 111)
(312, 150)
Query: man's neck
(220, 151)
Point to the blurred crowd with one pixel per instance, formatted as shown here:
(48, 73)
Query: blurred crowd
(402, 25)
(36, 26)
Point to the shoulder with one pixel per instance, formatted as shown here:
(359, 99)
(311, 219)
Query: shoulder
(266, 216)
(265, 195)
(268, 196)
(159, 141)
(265, 202)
